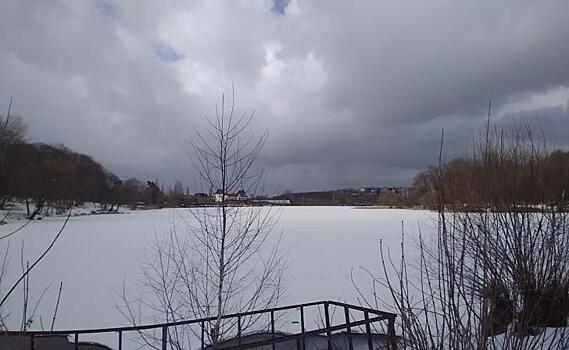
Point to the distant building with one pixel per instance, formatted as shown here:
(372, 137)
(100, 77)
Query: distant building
(218, 196)
(239, 196)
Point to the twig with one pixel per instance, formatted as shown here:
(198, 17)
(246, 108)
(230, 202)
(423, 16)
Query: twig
(36, 261)
(56, 306)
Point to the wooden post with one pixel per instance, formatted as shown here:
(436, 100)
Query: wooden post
(164, 337)
(238, 330)
(328, 332)
(348, 328)
(273, 329)
(302, 330)
(368, 331)
(391, 333)
(202, 337)
(76, 345)
(120, 340)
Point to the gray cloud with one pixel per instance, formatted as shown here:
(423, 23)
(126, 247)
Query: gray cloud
(354, 93)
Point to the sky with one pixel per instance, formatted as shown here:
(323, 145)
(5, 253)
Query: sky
(353, 93)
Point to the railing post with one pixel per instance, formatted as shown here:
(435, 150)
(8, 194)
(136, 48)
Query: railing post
(368, 331)
(328, 332)
(273, 328)
(164, 337)
(330, 328)
(302, 330)
(391, 333)
(202, 336)
(238, 330)
(348, 328)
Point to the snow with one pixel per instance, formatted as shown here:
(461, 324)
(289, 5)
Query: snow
(96, 254)
(16, 211)
(326, 248)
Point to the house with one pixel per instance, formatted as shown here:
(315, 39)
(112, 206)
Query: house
(218, 196)
(230, 197)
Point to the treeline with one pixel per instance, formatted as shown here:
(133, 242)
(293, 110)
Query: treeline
(367, 196)
(526, 177)
(341, 197)
(48, 177)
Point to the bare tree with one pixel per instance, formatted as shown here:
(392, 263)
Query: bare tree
(495, 277)
(222, 262)
(12, 130)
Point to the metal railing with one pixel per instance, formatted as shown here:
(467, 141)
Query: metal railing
(370, 316)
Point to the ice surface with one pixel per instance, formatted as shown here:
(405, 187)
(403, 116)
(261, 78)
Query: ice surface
(97, 253)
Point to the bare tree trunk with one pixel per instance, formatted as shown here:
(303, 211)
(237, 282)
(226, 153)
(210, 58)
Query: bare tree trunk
(223, 264)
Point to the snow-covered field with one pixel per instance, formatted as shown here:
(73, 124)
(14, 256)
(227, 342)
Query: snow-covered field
(326, 246)
(97, 253)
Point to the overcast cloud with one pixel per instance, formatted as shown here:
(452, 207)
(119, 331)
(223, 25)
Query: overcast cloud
(354, 92)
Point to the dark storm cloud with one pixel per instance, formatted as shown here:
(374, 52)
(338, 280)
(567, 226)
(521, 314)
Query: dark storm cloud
(354, 93)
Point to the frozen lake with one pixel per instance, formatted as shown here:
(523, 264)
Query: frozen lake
(97, 253)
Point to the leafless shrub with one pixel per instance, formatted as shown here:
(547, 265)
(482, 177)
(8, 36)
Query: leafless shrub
(496, 274)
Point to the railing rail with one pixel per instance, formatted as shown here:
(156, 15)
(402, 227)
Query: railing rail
(348, 325)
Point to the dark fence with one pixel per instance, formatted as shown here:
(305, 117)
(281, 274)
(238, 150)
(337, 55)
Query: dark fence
(350, 326)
